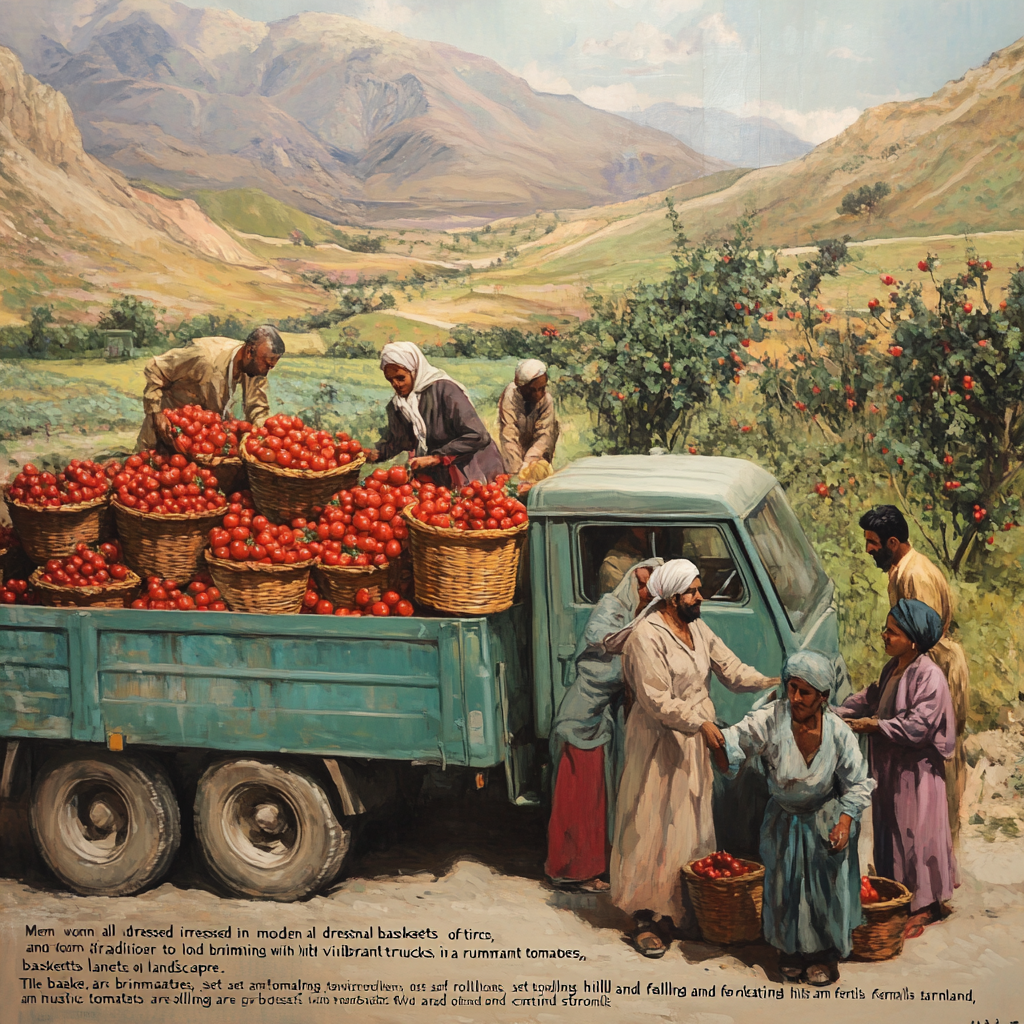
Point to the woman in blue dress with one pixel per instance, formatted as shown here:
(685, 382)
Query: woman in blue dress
(818, 784)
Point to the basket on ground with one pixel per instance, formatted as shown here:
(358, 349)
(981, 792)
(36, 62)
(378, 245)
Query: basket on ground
(339, 583)
(259, 588)
(464, 572)
(228, 469)
(880, 937)
(53, 532)
(728, 909)
(283, 494)
(115, 594)
(169, 546)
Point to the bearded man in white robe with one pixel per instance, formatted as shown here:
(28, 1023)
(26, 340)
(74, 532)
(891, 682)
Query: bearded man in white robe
(664, 811)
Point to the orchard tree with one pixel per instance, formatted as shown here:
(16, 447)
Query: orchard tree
(953, 433)
(647, 361)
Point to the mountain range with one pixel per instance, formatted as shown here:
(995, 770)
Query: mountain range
(741, 141)
(334, 116)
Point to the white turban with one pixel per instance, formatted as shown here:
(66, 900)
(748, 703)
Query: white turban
(529, 369)
(666, 581)
(411, 358)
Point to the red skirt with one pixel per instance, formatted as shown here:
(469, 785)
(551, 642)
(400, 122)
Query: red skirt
(577, 830)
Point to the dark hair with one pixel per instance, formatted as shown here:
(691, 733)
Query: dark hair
(268, 334)
(887, 521)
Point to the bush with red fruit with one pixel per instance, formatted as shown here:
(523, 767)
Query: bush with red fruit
(81, 480)
(199, 595)
(167, 485)
(18, 591)
(363, 525)
(201, 431)
(246, 536)
(87, 567)
(720, 865)
(287, 442)
(473, 507)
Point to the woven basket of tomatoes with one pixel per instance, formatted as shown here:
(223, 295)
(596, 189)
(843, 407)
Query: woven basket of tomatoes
(886, 907)
(293, 468)
(210, 441)
(88, 578)
(466, 547)
(163, 506)
(727, 894)
(52, 513)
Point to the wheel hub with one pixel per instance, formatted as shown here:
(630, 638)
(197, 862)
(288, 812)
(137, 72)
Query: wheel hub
(270, 819)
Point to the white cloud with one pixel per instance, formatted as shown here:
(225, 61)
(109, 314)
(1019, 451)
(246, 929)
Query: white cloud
(544, 79)
(643, 42)
(812, 125)
(385, 14)
(616, 98)
(845, 53)
(716, 31)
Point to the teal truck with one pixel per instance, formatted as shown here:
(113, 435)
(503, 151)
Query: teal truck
(278, 732)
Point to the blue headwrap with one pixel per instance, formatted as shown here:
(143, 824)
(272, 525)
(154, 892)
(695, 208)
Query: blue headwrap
(921, 623)
(817, 670)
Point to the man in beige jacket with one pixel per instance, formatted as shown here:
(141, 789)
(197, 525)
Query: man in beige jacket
(206, 373)
(527, 427)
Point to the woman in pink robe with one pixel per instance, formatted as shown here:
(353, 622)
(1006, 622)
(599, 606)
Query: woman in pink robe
(908, 715)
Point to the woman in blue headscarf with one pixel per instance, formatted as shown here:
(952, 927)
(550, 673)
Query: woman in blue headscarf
(818, 786)
(908, 715)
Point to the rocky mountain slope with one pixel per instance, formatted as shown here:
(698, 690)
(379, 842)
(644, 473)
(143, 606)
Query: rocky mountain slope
(330, 114)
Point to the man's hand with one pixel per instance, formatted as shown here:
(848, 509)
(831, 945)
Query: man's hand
(840, 834)
(863, 725)
(164, 429)
(424, 461)
(712, 735)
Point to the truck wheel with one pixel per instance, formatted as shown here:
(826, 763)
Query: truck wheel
(267, 831)
(106, 824)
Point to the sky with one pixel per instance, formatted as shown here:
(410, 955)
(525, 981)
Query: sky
(811, 65)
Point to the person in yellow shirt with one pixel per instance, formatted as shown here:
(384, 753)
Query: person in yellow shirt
(914, 576)
(206, 372)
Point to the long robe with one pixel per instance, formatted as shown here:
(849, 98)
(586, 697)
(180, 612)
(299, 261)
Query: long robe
(916, 576)
(455, 433)
(913, 843)
(198, 374)
(811, 893)
(664, 815)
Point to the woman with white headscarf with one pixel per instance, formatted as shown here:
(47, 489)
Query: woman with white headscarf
(664, 813)
(431, 417)
(528, 429)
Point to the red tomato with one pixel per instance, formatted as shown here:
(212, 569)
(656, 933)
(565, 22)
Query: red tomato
(391, 598)
(363, 597)
(380, 609)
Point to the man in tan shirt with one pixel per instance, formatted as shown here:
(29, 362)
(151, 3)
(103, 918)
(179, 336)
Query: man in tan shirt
(913, 575)
(527, 427)
(206, 373)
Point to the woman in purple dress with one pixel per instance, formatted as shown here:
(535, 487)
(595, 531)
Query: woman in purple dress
(908, 716)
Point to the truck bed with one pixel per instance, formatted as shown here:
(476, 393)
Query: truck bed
(445, 690)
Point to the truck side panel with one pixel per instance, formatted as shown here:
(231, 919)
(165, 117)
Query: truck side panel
(35, 677)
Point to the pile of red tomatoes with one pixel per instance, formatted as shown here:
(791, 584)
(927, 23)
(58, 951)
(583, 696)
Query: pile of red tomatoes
(87, 567)
(202, 432)
(720, 865)
(390, 603)
(246, 536)
(166, 595)
(18, 592)
(167, 485)
(82, 480)
(287, 442)
(473, 507)
(868, 893)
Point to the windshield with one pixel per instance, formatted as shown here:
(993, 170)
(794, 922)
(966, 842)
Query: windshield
(787, 556)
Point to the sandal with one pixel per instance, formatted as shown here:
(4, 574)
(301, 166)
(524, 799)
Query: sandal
(794, 973)
(647, 942)
(820, 975)
(594, 885)
(913, 931)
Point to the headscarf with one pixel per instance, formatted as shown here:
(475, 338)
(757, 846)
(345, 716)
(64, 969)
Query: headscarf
(411, 358)
(529, 369)
(666, 581)
(815, 669)
(921, 623)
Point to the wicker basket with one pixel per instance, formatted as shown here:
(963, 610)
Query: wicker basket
(339, 583)
(260, 588)
(283, 494)
(115, 594)
(169, 546)
(228, 469)
(880, 937)
(53, 532)
(464, 572)
(728, 909)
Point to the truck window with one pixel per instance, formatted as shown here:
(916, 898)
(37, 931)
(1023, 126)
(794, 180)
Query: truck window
(607, 552)
(787, 556)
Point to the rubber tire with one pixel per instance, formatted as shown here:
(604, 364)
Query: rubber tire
(319, 845)
(152, 831)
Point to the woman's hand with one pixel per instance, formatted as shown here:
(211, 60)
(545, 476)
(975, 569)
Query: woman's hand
(864, 725)
(424, 461)
(840, 834)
